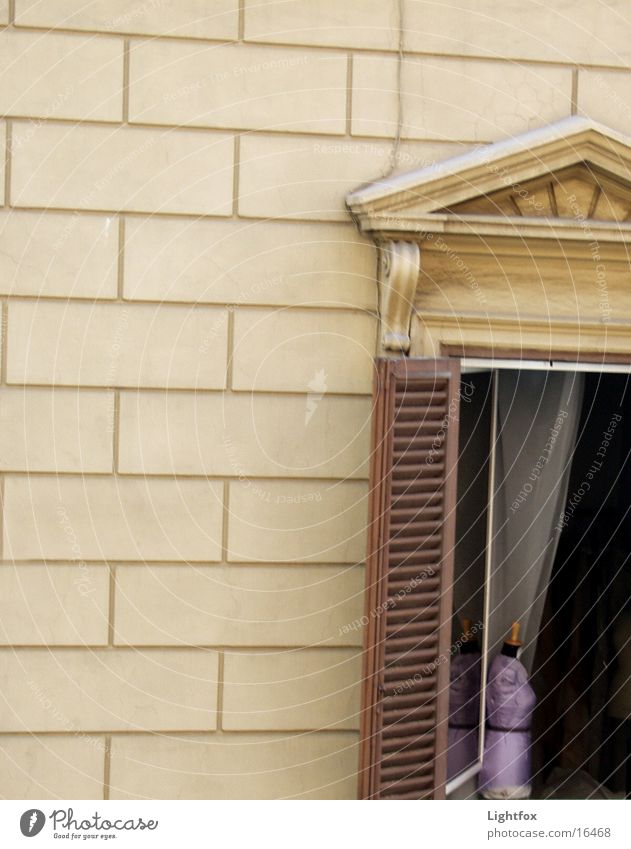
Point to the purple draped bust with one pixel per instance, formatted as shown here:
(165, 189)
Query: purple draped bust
(464, 713)
(510, 701)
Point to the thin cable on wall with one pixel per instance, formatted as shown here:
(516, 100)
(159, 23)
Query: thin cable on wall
(394, 153)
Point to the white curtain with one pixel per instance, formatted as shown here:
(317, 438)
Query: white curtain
(538, 416)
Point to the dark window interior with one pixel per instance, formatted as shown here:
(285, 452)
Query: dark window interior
(581, 747)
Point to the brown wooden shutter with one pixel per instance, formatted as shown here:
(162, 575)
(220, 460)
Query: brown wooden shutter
(405, 698)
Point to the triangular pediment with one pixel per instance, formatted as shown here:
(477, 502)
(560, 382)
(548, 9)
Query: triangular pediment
(544, 182)
(578, 192)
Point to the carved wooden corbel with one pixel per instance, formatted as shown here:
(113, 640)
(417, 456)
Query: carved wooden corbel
(399, 268)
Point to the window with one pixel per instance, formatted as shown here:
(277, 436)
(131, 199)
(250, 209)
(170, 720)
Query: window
(515, 250)
(454, 453)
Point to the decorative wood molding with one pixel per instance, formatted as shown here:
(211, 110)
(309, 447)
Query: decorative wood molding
(545, 184)
(549, 195)
(381, 227)
(503, 165)
(399, 268)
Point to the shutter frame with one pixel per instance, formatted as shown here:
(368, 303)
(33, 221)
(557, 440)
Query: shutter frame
(409, 621)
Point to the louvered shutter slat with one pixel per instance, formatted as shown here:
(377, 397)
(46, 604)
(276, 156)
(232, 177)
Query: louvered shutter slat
(410, 564)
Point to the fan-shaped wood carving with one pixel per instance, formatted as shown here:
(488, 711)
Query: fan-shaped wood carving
(579, 192)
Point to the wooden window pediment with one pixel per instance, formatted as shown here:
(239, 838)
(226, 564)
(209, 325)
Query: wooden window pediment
(536, 223)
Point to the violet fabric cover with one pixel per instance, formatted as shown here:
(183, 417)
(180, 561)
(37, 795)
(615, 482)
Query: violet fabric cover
(510, 701)
(464, 713)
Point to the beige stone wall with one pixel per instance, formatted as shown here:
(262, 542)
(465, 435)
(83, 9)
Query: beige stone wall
(188, 322)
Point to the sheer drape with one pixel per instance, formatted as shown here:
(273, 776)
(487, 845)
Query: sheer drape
(538, 415)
